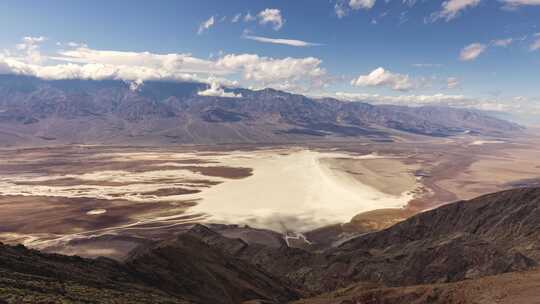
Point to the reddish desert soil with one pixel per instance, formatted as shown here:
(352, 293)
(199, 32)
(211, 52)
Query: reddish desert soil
(220, 171)
(510, 288)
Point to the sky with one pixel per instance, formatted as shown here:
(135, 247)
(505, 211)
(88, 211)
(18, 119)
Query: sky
(470, 53)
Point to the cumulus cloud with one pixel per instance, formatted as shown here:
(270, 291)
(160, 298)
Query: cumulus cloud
(272, 71)
(206, 25)
(30, 46)
(136, 85)
(271, 16)
(164, 62)
(472, 51)
(291, 42)
(452, 8)
(4, 66)
(97, 72)
(361, 4)
(86, 63)
(216, 90)
(343, 7)
(382, 77)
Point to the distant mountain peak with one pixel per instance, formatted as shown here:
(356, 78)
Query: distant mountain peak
(34, 108)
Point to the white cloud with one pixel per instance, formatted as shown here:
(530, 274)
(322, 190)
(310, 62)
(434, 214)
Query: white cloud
(86, 63)
(340, 10)
(503, 42)
(472, 51)
(452, 82)
(30, 46)
(248, 17)
(516, 3)
(34, 40)
(382, 77)
(361, 4)
(452, 8)
(343, 7)
(4, 66)
(97, 72)
(536, 44)
(272, 71)
(427, 65)
(206, 25)
(271, 16)
(72, 44)
(291, 42)
(76, 44)
(409, 3)
(236, 18)
(164, 62)
(136, 85)
(216, 90)
(409, 100)
(515, 105)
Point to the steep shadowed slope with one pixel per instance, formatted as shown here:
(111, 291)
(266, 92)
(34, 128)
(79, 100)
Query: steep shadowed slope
(489, 235)
(28, 276)
(181, 270)
(488, 240)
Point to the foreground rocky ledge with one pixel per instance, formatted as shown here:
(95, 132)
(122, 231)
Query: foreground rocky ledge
(416, 261)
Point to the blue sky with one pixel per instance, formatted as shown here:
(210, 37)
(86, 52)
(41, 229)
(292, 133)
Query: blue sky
(479, 53)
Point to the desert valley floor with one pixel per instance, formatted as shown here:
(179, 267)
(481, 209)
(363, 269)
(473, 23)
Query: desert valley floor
(104, 201)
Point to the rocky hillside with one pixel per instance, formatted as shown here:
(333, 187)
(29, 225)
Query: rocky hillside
(83, 111)
(420, 260)
(181, 270)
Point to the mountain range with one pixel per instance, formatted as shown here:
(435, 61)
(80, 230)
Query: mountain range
(485, 250)
(37, 111)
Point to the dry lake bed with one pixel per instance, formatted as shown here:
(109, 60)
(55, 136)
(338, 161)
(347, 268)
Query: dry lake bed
(59, 198)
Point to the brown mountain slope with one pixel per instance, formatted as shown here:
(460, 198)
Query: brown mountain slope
(28, 276)
(181, 270)
(458, 250)
(489, 235)
(38, 111)
(508, 288)
(189, 268)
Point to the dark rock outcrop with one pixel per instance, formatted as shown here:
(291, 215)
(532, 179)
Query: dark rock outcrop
(490, 235)
(189, 268)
